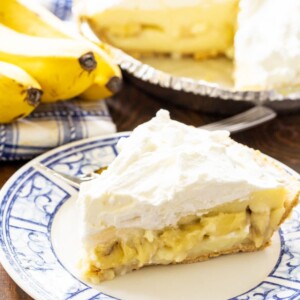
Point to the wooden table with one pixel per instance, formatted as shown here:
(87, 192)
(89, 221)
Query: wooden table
(279, 138)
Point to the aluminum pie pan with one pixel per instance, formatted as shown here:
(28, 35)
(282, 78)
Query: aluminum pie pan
(196, 94)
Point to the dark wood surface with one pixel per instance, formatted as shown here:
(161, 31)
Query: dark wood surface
(279, 138)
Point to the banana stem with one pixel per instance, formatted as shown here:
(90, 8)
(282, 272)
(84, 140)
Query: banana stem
(33, 96)
(114, 84)
(88, 61)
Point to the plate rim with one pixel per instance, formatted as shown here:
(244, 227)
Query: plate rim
(3, 260)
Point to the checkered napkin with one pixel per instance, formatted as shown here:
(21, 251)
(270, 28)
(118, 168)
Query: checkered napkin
(61, 8)
(55, 124)
(52, 125)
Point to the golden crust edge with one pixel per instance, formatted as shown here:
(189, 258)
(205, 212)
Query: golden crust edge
(241, 248)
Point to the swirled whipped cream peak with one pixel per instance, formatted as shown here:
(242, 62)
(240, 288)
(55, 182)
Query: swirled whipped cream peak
(167, 170)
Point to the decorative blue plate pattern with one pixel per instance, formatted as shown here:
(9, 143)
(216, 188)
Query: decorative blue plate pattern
(30, 201)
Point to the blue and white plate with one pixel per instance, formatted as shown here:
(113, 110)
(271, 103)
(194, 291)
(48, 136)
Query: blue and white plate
(39, 244)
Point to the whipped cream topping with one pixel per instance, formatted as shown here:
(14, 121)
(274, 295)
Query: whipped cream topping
(267, 44)
(166, 170)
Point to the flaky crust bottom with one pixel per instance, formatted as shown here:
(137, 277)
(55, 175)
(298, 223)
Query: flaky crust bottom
(240, 248)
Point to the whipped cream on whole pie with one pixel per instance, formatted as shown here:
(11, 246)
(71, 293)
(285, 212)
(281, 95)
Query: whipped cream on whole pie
(176, 193)
(267, 44)
(261, 36)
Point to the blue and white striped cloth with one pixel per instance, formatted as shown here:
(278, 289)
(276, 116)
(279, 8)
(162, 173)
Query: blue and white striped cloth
(52, 125)
(61, 8)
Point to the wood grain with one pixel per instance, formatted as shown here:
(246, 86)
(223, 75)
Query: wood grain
(279, 138)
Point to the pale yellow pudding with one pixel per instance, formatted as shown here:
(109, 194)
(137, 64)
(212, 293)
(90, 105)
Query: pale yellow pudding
(235, 227)
(143, 27)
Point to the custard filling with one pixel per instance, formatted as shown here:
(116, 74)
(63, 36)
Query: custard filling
(207, 31)
(237, 226)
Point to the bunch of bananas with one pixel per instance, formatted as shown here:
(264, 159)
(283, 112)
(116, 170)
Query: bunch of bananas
(41, 61)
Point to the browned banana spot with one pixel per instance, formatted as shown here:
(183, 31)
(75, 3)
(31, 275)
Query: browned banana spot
(19, 117)
(111, 249)
(100, 170)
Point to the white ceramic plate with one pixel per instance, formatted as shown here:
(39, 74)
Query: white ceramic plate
(39, 244)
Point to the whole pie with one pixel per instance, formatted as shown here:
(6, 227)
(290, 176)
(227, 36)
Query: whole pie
(261, 36)
(179, 194)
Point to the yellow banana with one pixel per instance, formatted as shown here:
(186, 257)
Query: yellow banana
(31, 18)
(19, 93)
(63, 67)
(100, 89)
(105, 84)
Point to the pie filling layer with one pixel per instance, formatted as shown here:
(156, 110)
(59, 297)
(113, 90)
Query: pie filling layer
(207, 31)
(234, 227)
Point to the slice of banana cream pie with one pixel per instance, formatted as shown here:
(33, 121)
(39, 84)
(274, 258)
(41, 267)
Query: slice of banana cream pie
(179, 194)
